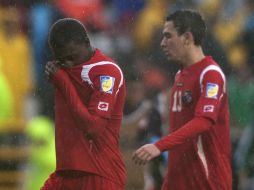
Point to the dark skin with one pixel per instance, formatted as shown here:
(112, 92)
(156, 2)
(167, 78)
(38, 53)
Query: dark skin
(68, 56)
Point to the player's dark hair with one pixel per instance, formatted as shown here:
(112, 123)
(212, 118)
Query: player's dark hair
(67, 30)
(189, 21)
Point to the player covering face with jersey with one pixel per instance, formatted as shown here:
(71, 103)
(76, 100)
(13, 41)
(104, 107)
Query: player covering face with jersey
(89, 100)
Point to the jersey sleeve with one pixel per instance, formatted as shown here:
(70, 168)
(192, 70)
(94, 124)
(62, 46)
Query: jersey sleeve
(106, 82)
(91, 124)
(92, 118)
(212, 85)
(191, 129)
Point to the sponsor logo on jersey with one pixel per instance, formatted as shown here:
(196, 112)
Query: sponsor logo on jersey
(208, 108)
(107, 84)
(212, 90)
(103, 106)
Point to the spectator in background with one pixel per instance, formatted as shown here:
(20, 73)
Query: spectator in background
(42, 15)
(150, 126)
(241, 89)
(6, 99)
(128, 8)
(243, 158)
(199, 139)
(89, 99)
(213, 47)
(15, 52)
(88, 12)
(148, 20)
(248, 33)
(42, 161)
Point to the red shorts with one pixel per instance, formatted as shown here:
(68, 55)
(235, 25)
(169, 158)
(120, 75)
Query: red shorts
(79, 181)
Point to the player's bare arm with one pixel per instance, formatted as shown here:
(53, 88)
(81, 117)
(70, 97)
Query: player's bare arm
(145, 154)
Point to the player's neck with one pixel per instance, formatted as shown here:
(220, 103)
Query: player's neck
(194, 56)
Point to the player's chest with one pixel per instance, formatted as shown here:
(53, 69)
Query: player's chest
(184, 93)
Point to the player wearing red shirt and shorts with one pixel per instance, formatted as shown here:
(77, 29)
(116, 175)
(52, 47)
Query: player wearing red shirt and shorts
(89, 100)
(199, 139)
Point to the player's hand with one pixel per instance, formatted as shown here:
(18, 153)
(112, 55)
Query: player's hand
(51, 68)
(145, 154)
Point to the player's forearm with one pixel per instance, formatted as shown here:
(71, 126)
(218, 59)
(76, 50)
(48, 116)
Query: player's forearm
(191, 129)
(91, 124)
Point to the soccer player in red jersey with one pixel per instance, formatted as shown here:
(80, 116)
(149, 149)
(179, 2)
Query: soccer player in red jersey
(199, 137)
(89, 100)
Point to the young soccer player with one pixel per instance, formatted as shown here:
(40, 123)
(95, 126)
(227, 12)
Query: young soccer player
(89, 100)
(199, 139)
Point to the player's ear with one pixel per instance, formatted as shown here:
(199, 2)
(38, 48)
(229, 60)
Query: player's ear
(188, 38)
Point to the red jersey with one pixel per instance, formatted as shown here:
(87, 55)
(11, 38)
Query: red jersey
(89, 104)
(199, 139)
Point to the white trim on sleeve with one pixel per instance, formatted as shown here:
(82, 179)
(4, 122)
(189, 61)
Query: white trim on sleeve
(212, 68)
(86, 69)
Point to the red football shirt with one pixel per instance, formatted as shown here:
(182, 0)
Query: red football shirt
(89, 104)
(199, 138)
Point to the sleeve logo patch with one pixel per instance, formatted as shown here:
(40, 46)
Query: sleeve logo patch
(103, 106)
(208, 108)
(212, 90)
(107, 84)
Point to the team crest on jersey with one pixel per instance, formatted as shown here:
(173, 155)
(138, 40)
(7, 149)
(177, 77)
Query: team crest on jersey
(107, 84)
(212, 90)
(187, 97)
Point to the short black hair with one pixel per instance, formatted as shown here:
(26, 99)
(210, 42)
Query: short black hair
(67, 30)
(189, 21)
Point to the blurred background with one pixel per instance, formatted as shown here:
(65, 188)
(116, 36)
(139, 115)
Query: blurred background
(129, 31)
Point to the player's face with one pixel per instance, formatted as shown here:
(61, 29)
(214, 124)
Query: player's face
(71, 54)
(172, 43)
